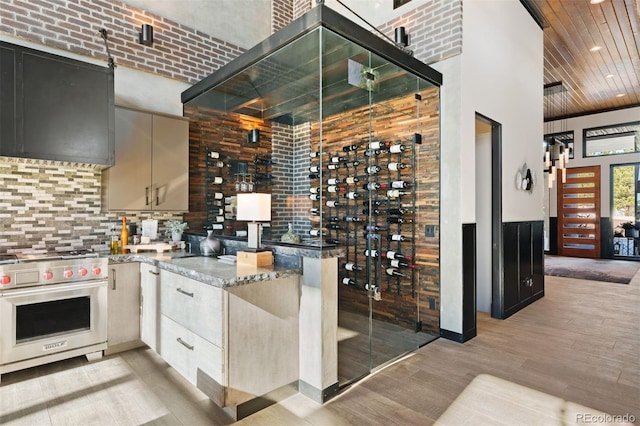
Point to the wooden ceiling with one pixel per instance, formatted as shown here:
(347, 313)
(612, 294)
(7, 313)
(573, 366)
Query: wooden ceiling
(595, 81)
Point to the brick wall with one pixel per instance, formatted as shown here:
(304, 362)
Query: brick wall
(300, 7)
(48, 204)
(281, 14)
(178, 51)
(435, 30)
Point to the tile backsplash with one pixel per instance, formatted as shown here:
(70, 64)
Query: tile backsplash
(46, 205)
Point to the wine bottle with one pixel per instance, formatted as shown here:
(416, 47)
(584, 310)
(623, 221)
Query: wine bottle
(352, 163)
(215, 203)
(316, 232)
(394, 193)
(216, 226)
(216, 211)
(314, 169)
(333, 203)
(217, 163)
(378, 144)
(373, 211)
(338, 159)
(351, 195)
(213, 154)
(352, 267)
(335, 219)
(348, 281)
(314, 154)
(314, 197)
(333, 241)
(349, 148)
(217, 180)
(218, 219)
(397, 211)
(334, 188)
(397, 263)
(333, 166)
(371, 253)
(376, 202)
(373, 228)
(334, 181)
(351, 180)
(395, 273)
(396, 166)
(398, 237)
(398, 184)
(314, 176)
(372, 186)
(390, 254)
(397, 148)
(374, 152)
(398, 219)
(314, 190)
(352, 219)
(335, 226)
(124, 235)
(263, 161)
(314, 211)
(372, 170)
(262, 176)
(217, 195)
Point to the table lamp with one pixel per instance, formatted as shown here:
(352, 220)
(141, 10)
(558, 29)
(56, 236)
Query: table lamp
(253, 207)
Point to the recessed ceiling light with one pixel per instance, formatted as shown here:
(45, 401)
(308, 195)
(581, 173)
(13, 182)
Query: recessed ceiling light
(619, 95)
(610, 75)
(596, 1)
(595, 48)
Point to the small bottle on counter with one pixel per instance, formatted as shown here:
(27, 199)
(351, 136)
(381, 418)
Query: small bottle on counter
(124, 235)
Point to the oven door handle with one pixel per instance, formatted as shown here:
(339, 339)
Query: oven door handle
(51, 288)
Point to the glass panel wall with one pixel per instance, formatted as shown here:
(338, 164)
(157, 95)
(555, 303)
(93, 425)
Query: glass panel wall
(625, 209)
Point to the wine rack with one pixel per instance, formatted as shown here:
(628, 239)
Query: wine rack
(374, 177)
(216, 210)
(262, 170)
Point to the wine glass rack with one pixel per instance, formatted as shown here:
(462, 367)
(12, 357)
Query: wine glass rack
(366, 196)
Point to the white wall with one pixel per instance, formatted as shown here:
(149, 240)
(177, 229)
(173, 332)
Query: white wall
(578, 124)
(500, 75)
(483, 218)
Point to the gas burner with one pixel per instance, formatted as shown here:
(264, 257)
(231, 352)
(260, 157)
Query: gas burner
(77, 254)
(56, 255)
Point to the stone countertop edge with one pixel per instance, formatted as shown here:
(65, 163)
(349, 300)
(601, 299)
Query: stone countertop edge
(205, 269)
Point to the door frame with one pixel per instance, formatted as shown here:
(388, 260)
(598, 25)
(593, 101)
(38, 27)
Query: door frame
(497, 251)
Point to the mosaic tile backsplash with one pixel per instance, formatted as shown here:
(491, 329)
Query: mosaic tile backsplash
(49, 205)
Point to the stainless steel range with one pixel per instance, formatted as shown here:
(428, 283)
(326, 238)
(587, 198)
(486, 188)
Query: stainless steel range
(52, 306)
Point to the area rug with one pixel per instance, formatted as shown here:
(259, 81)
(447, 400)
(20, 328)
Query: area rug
(612, 271)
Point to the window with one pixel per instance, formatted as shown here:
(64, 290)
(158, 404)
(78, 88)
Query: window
(611, 140)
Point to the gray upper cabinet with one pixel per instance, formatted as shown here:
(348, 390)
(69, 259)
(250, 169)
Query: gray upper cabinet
(151, 170)
(55, 108)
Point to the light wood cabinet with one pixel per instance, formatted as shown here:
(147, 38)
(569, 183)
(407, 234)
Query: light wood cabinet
(150, 306)
(151, 170)
(123, 312)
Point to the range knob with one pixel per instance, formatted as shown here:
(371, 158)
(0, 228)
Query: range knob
(82, 271)
(47, 275)
(5, 279)
(97, 270)
(68, 273)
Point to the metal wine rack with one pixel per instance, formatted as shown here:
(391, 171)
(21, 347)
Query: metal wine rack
(216, 171)
(345, 186)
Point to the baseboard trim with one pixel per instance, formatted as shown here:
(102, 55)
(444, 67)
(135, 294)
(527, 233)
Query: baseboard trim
(459, 337)
(318, 395)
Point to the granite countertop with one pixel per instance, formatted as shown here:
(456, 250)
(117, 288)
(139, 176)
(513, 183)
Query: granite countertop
(206, 269)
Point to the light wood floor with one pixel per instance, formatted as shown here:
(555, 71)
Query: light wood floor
(575, 351)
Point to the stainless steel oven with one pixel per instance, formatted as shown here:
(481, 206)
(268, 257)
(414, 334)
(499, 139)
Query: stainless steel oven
(51, 309)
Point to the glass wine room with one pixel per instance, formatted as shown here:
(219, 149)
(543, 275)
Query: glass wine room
(341, 127)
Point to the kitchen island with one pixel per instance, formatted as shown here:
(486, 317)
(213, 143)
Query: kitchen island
(233, 332)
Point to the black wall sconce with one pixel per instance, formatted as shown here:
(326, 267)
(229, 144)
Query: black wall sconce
(402, 38)
(253, 136)
(145, 36)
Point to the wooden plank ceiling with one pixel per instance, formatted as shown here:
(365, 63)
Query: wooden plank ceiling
(595, 80)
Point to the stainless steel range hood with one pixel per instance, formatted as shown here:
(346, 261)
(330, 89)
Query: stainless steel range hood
(277, 80)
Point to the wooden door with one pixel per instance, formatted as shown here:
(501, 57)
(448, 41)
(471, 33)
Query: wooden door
(579, 212)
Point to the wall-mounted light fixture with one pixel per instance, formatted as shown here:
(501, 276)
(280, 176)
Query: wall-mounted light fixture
(145, 36)
(525, 179)
(402, 38)
(253, 136)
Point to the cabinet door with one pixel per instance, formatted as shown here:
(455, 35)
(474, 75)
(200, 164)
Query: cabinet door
(123, 304)
(149, 306)
(7, 100)
(170, 165)
(129, 180)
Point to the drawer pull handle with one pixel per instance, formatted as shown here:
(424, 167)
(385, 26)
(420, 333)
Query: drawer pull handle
(186, 293)
(185, 344)
(154, 272)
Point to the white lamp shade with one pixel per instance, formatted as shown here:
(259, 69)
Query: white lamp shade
(253, 207)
